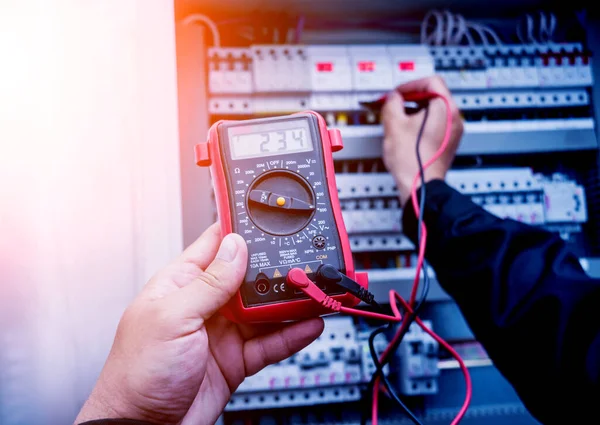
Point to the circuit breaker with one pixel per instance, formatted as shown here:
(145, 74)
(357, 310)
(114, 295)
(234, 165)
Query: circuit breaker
(527, 112)
(418, 362)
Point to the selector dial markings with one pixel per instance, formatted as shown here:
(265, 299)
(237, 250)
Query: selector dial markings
(281, 202)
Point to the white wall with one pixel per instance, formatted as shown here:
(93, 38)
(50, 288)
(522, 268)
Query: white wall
(89, 188)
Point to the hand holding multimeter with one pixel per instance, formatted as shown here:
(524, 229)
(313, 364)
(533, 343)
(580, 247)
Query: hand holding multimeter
(275, 186)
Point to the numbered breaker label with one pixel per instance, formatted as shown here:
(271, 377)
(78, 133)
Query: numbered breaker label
(345, 70)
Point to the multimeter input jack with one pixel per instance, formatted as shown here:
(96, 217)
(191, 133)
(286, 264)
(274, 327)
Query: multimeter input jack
(261, 284)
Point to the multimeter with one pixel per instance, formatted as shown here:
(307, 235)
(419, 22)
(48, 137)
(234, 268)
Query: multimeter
(274, 184)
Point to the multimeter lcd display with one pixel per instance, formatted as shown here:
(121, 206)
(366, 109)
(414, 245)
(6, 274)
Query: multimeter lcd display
(274, 138)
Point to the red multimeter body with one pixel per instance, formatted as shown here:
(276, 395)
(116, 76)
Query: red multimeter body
(274, 184)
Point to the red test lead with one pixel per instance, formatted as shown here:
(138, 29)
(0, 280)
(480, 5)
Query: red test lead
(297, 278)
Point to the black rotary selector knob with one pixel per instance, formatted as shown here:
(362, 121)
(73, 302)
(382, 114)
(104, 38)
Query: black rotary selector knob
(281, 202)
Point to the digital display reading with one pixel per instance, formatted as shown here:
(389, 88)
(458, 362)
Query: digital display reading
(275, 138)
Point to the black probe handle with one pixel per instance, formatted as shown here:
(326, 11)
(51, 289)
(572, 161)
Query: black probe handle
(329, 275)
(413, 103)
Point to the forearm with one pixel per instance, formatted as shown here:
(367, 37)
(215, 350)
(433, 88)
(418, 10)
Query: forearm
(524, 295)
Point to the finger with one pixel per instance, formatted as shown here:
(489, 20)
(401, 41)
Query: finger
(252, 331)
(393, 109)
(437, 85)
(431, 84)
(437, 110)
(214, 286)
(203, 250)
(246, 331)
(264, 350)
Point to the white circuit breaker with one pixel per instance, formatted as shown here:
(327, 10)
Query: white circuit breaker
(368, 365)
(330, 71)
(410, 62)
(564, 200)
(280, 69)
(418, 362)
(330, 68)
(371, 68)
(230, 71)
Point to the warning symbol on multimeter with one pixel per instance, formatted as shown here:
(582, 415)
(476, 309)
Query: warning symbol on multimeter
(277, 273)
(307, 269)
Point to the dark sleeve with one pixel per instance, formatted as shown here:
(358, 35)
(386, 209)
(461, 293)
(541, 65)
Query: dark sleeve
(526, 298)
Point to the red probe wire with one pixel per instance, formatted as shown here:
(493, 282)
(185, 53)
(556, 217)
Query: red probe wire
(419, 267)
(298, 278)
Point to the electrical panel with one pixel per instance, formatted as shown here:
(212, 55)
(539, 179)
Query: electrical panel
(528, 153)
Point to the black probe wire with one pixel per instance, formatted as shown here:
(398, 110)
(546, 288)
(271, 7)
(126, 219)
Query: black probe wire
(424, 292)
(380, 365)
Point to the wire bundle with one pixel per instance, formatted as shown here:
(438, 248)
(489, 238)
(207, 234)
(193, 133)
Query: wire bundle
(444, 28)
(546, 28)
(288, 30)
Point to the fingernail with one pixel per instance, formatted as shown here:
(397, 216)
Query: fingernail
(228, 249)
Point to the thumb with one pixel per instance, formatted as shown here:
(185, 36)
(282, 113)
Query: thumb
(215, 286)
